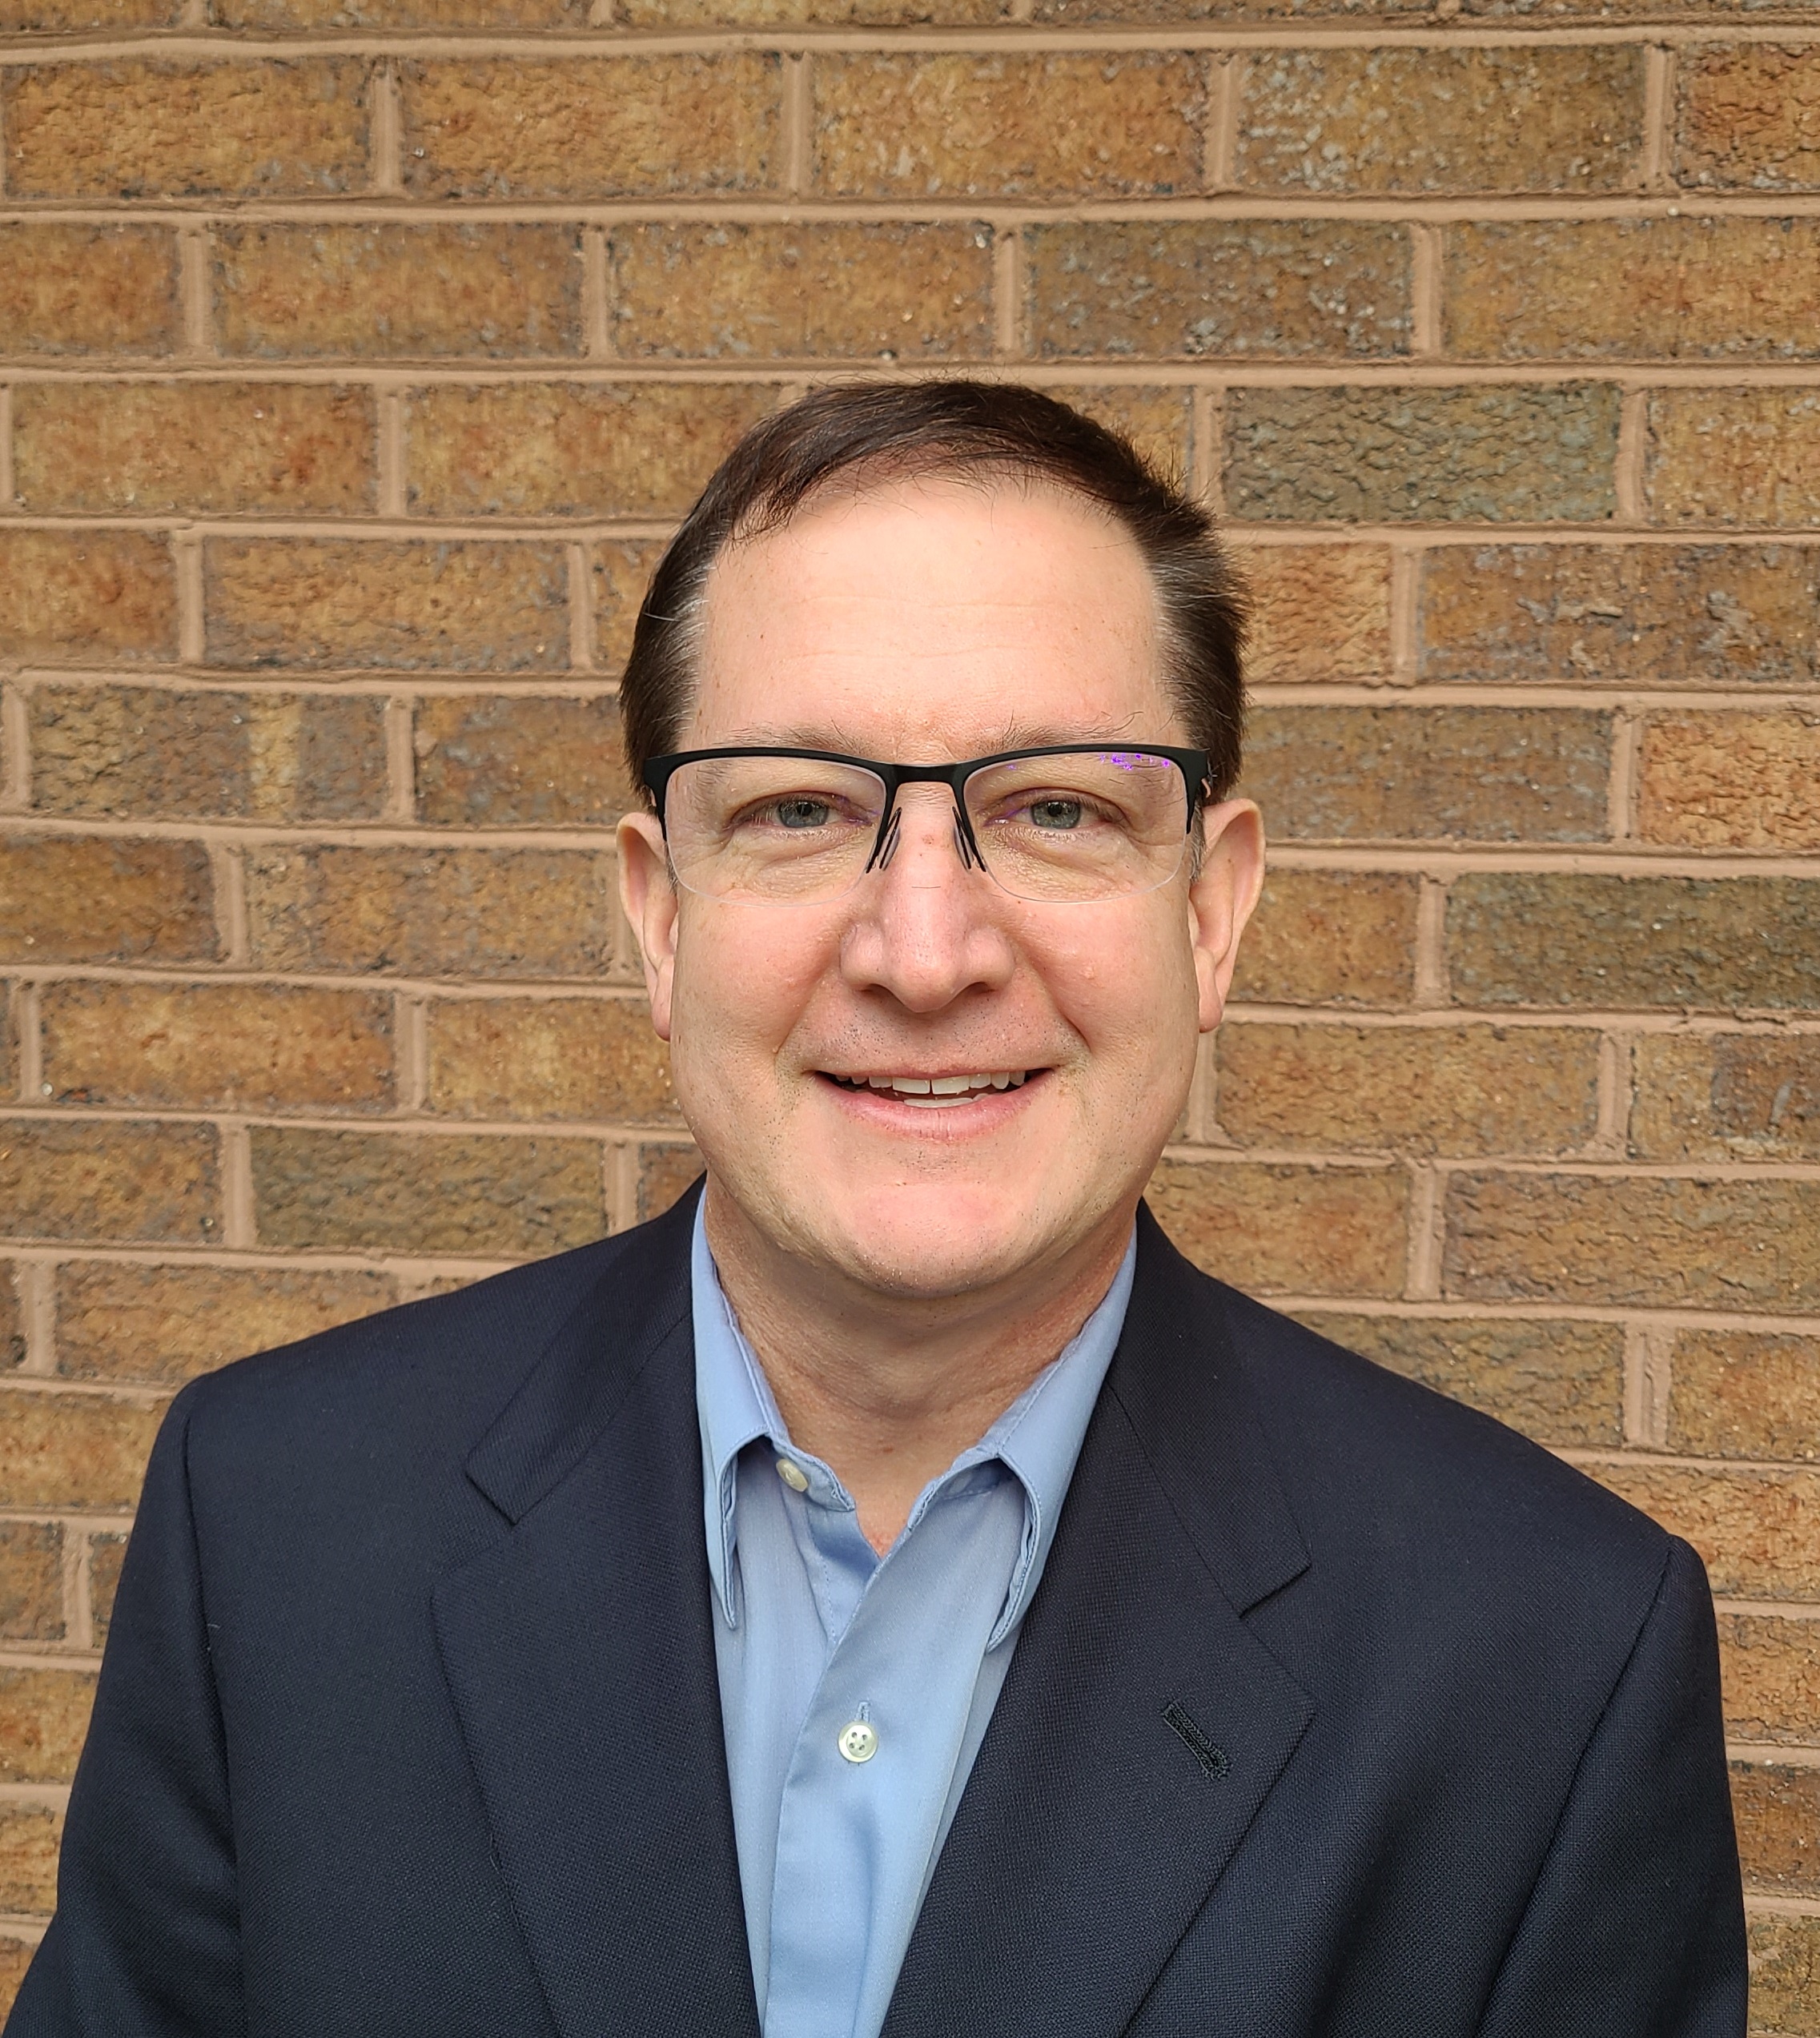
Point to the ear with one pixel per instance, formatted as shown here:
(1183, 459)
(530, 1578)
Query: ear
(649, 896)
(1220, 898)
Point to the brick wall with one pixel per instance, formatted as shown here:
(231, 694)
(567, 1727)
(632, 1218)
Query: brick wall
(355, 356)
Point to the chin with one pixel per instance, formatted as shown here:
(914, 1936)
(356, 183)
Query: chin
(936, 1240)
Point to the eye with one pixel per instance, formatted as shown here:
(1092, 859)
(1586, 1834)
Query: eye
(802, 812)
(1055, 813)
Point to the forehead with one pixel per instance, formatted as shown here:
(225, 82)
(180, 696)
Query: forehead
(930, 618)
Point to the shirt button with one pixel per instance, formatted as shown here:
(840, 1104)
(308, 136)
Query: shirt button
(793, 1475)
(858, 1741)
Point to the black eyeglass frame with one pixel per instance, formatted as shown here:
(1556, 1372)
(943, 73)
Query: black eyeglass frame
(1195, 766)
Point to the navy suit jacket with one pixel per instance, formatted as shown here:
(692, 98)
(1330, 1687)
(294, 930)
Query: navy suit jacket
(1340, 1710)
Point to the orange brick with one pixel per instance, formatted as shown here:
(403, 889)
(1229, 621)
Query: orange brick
(518, 760)
(201, 447)
(74, 1449)
(1749, 118)
(565, 449)
(1727, 1096)
(1273, 1229)
(764, 14)
(1330, 937)
(1105, 125)
(1159, 423)
(1560, 1382)
(163, 1326)
(87, 290)
(1584, 615)
(31, 1583)
(1650, 1240)
(369, 293)
(105, 1555)
(1319, 611)
(218, 1046)
(15, 1957)
(1353, 120)
(10, 996)
(71, 16)
(127, 750)
(43, 1716)
(1785, 1975)
(1448, 1090)
(432, 912)
(30, 1837)
(730, 292)
(1777, 1805)
(1245, 289)
(69, 597)
(1757, 1527)
(564, 1058)
(1739, 781)
(1771, 1670)
(620, 574)
(1724, 457)
(12, 1322)
(1615, 289)
(1717, 944)
(69, 1179)
(1478, 774)
(295, 129)
(1741, 1393)
(469, 1194)
(1424, 15)
(1522, 454)
(664, 1173)
(583, 127)
(317, 604)
(495, 15)
(105, 900)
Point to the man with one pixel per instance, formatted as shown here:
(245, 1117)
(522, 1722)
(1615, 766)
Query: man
(893, 1592)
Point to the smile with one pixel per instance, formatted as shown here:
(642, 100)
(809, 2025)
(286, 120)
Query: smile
(936, 1092)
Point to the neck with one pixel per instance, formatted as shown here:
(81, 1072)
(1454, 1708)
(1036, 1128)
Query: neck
(889, 1389)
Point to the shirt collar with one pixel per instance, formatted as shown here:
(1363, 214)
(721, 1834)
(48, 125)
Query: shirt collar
(1037, 1438)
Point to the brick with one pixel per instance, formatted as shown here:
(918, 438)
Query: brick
(31, 1583)
(43, 1716)
(1749, 118)
(148, 1184)
(761, 14)
(432, 912)
(494, 15)
(664, 1173)
(163, 1326)
(15, 1957)
(238, 1047)
(105, 900)
(70, 289)
(71, 16)
(619, 573)
(564, 1058)
(74, 1449)
(1330, 937)
(1345, 120)
(1424, 13)
(468, 1194)
(1757, 1527)
(1158, 422)
(125, 751)
(1777, 1805)
(1648, 1240)
(10, 997)
(1726, 457)
(1476, 774)
(1105, 126)
(1558, 1382)
(1785, 1975)
(312, 604)
(1429, 1090)
(1715, 943)
(1271, 1229)
(199, 447)
(506, 760)
(582, 127)
(1230, 288)
(1748, 780)
(1585, 615)
(1741, 1393)
(379, 292)
(1726, 1096)
(1682, 289)
(1526, 454)
(30, 1837)
(294, 128)
(888, 292)
(105, 1555)
(1319, 611)
(1771, 1672)
(565, 449)
(71, 597)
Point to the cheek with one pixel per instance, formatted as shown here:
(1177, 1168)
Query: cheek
(1127, 985)
(742, 981)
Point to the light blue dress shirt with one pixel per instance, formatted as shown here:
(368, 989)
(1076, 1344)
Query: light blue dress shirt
(815, 1634)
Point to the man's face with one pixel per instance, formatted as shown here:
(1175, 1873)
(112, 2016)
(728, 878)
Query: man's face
(925, 622)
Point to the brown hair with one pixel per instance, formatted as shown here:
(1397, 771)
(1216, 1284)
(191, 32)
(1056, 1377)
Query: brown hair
(869, 429)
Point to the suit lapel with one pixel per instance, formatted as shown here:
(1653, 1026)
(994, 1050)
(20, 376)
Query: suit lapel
(1142, 1724)
(580, 1653)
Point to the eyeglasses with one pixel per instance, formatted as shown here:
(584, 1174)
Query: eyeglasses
(1070, 824)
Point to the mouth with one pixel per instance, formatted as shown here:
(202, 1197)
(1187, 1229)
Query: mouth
(936, 1092)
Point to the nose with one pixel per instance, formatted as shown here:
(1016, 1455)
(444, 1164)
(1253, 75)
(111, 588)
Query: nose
(927, 925)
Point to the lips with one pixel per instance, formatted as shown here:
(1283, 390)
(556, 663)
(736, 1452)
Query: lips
(935, 1092)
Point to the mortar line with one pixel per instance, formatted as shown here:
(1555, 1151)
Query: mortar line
(401, 760)
(796, 142)
(597, 307)
(620, 1184)
(239, 1225)
(229, 871)
(1655, 170)
(411, 1031)
(1427, 1221)
(15, 735)
(193, 15)
(1636, 1391)
(1658, 1361)
(1621, 786)
(1406, 614)
(28, 1024)
(9, 487)
(1628, 477)
(1220, 141)
(78, 1605)
(386, 141)
(1007, 293)
(193, 290)
(391, 454)
(1616, 1080)
(1430, 984)
(38, 1312)
(1425, 257)
(1206, 445)
(186, 559)
(581, 646)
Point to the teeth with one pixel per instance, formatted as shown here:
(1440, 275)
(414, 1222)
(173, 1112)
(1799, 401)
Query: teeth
(948, 1088)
